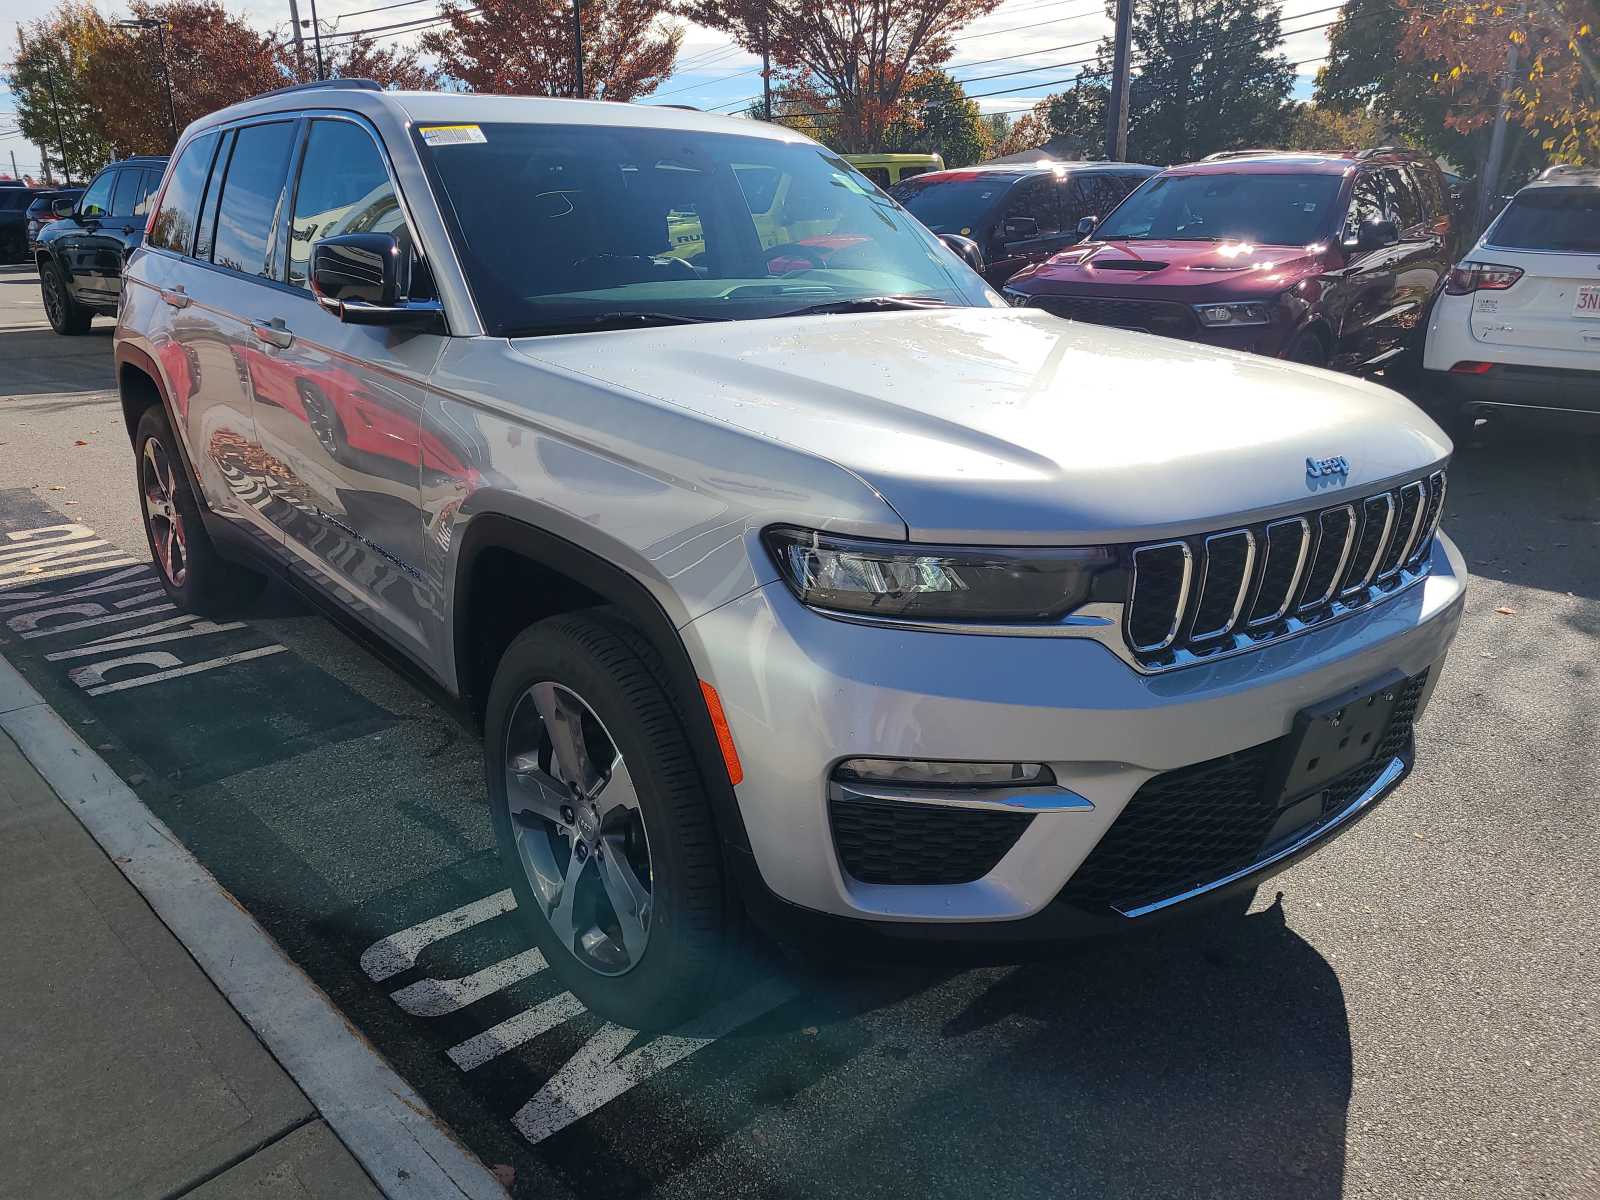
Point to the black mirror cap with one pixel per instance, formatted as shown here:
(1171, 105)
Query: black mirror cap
(64, 206)
(966, 249)
(363, 267)
(1086, 225)
(1376, 235)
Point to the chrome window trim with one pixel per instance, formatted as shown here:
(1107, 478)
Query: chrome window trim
(1244, 583)
(1183, 592)
(1349, 511)
(1294, 580)
(1386, 779)
(1383, 541)
(1411, 534)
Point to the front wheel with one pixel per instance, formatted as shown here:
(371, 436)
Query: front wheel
(1307, 348)
(66, 315)
(602, 821)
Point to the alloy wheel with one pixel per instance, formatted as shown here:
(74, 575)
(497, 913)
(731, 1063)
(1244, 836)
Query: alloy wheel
(161, 513)
(54, 306)
(578, 828)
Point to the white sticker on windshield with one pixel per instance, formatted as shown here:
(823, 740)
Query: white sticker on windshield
(452, 135)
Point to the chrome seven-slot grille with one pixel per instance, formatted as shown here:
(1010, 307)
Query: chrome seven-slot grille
(1217, 592)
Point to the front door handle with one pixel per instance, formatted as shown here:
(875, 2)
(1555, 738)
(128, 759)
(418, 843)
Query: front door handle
(175, 297)
(272, 332)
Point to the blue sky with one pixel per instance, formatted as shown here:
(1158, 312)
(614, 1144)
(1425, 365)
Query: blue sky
(1022, 52)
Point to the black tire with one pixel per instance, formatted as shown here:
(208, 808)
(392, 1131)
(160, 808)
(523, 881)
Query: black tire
(207, 583)
(619, 675)
(66, 316)
(1307, 348)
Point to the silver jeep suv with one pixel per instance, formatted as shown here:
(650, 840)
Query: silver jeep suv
(793, 575)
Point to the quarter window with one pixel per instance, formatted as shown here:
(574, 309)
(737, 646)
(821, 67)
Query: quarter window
(175, 221)
(96, 201)
(343, 188)
(251, 194)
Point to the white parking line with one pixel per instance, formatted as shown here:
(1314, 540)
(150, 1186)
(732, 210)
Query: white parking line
(515, 1031)
(437, 997)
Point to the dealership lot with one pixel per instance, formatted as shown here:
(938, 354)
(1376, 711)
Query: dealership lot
(1417, 1016)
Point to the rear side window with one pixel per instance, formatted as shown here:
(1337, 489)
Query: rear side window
(1550, 219)
(343, 188)
(878, 175)
(1405, 210)
(147, 193)
(130, 190)
(175, 221)
(251, 192)
(97, 200)
(1036, 198)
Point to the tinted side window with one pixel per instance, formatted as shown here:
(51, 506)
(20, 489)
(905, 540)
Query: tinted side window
(96, 201)
(1405, 210)
(1430, 187)
(878, 175)
(1366, 204)
(1036, 198)
(251, 192)
(174, 225)
(343, 188)
(145, 195)
(129, 181)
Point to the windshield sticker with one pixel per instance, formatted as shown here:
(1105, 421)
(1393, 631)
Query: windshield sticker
(452, 135)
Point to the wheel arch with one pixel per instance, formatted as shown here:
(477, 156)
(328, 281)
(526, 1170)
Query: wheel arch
(139, 387)
(510, 574)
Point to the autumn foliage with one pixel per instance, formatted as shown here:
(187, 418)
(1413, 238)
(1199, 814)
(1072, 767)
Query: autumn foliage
(1555, 90)
(525, 47)
(853, 59)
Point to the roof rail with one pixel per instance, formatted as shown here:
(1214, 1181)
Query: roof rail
(1374, 151)
(1221, 155)
(364, 85)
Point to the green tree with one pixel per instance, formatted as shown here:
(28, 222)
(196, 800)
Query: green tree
(1318, 127)
(939, 119)
(1208, 76)
(1076, 119)
(55, 109)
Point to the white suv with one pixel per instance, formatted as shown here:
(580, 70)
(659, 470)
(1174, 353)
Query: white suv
(792, 573)
(1517, 331)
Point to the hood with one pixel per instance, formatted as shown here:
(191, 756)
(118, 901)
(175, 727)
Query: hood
(1010, 426)
(1193, 271)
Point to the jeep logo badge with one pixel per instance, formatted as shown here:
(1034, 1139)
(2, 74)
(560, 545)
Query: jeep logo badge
(1322, 468)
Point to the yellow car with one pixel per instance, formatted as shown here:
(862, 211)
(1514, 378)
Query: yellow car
(886, 170)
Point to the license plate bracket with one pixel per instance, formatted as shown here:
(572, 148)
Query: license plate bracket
(1336, 736)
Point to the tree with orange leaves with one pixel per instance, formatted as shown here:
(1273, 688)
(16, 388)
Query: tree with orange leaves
(1554, 91)
(525, 47)
(853, 59)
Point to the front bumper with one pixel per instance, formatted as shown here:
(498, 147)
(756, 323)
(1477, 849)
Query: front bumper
(802, 692)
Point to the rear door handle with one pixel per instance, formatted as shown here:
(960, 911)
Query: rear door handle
(175, 297)
(272, 333)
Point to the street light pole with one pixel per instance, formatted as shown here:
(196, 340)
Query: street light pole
(166, 68)
(766, 64)
(577, 44)
(316, 41)
(61, 135)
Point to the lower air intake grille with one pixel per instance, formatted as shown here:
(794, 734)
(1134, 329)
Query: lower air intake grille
(886, 841)
(1199, 823)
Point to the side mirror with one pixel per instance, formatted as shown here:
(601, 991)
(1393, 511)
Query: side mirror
(363, 279)
(1375, 235)
(1086, 225)
(1020, 229)
(966, 249)
(63, 206)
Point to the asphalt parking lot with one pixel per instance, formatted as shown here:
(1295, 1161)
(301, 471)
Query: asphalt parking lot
(1417, 1014)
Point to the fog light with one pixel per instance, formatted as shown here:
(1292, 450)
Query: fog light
(925, 773)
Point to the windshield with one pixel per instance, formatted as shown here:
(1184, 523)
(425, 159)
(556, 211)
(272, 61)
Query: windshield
(1269, 210)
(1551, 219)
(561, 226)
(953, 205)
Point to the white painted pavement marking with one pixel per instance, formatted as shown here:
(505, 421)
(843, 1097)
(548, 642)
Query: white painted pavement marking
(121, 581)
(436, 997)
(83, 675)
(65, 571)
(34, 631)
(398, 952)
(198, 628)
(516, 1031)
(596, 1075)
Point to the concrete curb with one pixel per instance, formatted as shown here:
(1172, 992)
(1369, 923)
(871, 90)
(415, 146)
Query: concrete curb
(388, 1127)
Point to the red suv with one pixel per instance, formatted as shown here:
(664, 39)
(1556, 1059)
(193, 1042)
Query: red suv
(1328, 259)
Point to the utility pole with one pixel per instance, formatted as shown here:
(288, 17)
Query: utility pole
(1489, 179)
(316, 41)
(577, 44)
(15, 174)
(1117, 107)
(166, 69)
(299, 38)
(766, 65)
(61, 134)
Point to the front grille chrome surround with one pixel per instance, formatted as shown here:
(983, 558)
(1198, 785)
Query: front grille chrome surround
(1346, 558)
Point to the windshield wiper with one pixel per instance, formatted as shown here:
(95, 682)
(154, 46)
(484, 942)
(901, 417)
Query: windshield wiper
(610, 320)
(866, 304)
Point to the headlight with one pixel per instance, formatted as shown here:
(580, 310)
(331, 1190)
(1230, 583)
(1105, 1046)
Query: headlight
(937, 583)
(1015, 298)
(1250, 312)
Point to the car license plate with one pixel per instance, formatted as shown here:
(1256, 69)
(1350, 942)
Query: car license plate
(1588, 302)
(1337, 736)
